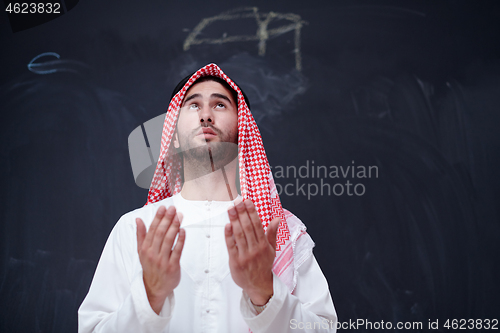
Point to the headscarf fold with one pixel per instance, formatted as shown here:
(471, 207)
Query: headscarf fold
(256, 180)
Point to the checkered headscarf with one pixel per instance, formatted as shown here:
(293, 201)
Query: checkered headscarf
(256, 180)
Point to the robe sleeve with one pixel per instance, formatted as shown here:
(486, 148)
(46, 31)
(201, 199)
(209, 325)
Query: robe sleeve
(117, 300)
(308, 309)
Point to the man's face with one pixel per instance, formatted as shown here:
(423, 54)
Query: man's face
(208, 117)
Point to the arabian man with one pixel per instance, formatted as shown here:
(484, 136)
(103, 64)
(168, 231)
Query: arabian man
(212, 250)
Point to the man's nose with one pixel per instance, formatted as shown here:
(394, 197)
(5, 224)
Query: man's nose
(206, 115)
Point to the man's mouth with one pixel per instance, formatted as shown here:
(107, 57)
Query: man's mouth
(207, 132)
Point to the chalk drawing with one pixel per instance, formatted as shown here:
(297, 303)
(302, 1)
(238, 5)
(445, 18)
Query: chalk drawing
(263, 32)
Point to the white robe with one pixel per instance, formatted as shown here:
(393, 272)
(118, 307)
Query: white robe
(206, 299)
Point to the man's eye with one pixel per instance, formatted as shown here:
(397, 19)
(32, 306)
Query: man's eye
(193, 106)
(221, 105)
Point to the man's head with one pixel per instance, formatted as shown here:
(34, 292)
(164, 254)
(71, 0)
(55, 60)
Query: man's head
(208, 118)
(253, 170)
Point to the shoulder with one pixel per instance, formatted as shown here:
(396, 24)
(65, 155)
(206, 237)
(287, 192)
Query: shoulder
(303, 243)
(295, 225)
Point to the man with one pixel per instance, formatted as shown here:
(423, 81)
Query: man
(240, 261)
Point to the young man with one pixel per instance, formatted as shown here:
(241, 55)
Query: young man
(239, 262)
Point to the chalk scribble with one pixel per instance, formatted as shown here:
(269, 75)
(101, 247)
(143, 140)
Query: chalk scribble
(263, 32)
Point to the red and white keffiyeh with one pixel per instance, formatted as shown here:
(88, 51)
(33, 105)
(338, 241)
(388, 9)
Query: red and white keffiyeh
(256, 180)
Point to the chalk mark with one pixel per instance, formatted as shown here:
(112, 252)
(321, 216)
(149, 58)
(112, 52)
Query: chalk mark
(262, 35)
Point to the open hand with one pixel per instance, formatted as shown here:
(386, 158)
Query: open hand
(160, 263)
(251, 251)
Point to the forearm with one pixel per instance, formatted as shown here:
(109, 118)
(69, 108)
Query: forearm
(286, 313)
(134, 314)
(117, 299)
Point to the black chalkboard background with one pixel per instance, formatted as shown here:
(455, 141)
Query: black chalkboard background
(411, 87)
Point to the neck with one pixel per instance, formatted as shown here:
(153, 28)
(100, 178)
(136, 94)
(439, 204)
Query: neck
(218, 185)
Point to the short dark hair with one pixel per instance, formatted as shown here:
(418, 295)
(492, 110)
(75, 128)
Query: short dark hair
(211, 78)
(218, 80)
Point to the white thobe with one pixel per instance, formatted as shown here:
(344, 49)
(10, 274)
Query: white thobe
(206, 299)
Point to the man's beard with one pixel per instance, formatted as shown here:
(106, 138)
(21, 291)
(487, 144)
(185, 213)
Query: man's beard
(211, 156)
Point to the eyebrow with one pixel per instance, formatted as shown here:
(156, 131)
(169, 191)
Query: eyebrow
(214, 95)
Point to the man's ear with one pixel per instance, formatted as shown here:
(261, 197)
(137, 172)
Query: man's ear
(176, 140)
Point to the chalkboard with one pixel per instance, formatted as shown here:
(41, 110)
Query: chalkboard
(379, 119)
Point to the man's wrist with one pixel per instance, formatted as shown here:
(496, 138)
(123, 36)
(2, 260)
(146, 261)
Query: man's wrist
(260, 308)
(260, 300)
(156, 301)
(260, 296)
